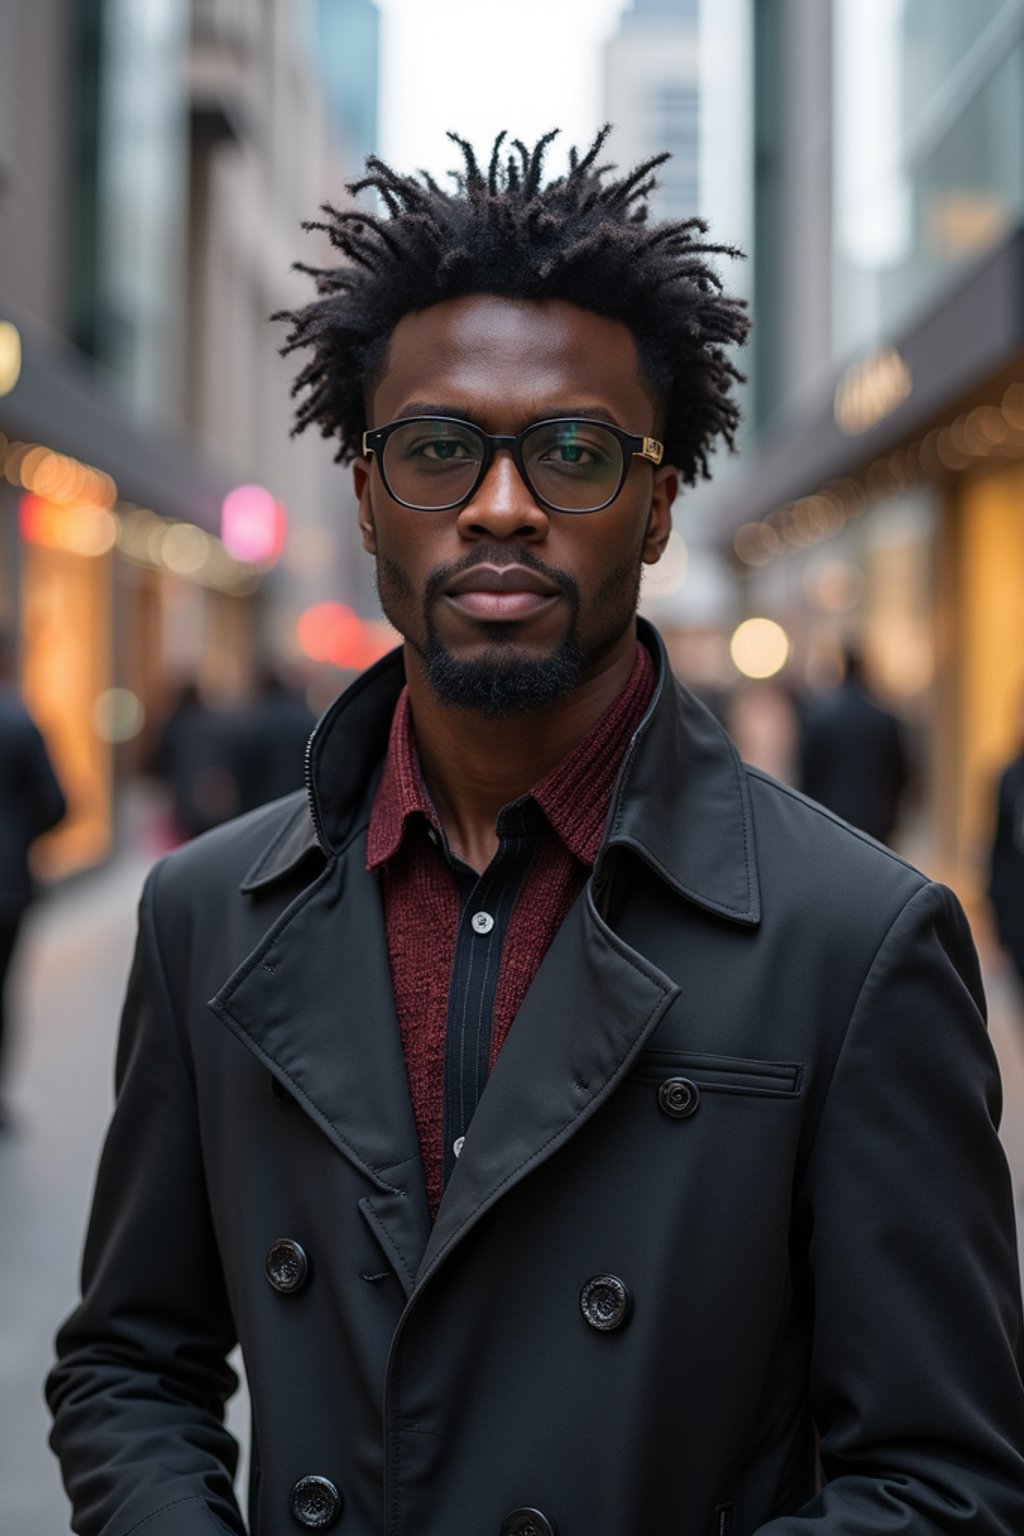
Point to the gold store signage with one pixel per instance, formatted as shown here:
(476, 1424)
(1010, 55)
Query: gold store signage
(870, 389)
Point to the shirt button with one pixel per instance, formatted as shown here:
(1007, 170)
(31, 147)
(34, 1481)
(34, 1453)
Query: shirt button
(482, 922)
(458, 1144)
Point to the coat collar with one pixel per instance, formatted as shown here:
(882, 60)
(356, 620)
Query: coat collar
(681, 801)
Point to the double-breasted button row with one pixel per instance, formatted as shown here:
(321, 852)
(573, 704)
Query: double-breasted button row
(315, 1502)
(528, 1522)
(678, 1097)
(605, 1303)
(287, 1266)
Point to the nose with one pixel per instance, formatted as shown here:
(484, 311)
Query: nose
(502, 506)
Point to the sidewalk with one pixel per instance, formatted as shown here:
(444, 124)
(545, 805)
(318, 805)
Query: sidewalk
(72, 971)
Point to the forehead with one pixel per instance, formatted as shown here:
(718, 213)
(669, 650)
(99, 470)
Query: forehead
(508, 362)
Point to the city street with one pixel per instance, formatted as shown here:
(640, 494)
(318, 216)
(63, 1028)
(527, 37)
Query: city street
(71, 974)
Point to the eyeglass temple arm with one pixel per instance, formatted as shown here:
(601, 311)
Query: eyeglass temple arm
(651, 449)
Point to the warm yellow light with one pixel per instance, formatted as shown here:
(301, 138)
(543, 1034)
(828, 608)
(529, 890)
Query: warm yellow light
(10, 356)
(183, 548)
(759, 648)
(92, 531)
(756, 543)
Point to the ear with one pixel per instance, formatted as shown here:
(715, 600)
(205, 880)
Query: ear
(659, 522)
(361, 484)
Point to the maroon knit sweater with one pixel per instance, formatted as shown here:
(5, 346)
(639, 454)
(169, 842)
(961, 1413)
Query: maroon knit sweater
(421, 913)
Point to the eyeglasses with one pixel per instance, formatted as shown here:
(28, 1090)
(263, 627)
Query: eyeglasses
(436, 463)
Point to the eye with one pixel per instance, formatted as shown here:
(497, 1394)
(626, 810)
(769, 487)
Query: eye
(574, 446)
(444, 448)
(441, 444)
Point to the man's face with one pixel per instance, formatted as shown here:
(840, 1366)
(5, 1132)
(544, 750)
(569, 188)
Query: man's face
(510, 606)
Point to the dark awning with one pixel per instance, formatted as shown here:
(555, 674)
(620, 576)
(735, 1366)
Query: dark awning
(62, 400)
(974, 331)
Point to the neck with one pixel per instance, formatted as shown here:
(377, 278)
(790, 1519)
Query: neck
(473, 765)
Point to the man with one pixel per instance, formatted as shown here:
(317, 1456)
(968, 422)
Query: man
(852, 756)
(31, 802)
(574, 1128)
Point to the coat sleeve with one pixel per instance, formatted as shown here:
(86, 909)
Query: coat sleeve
(138, 1393)
(916, 1367)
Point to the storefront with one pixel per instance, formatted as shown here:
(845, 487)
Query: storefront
(893, 523)
(113, 582)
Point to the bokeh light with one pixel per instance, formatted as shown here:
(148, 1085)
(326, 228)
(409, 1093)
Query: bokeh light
(759, 648)
(118, 715)
(10, 356)
(252, 525)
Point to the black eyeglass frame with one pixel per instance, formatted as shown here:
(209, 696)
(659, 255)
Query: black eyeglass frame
(633, 444)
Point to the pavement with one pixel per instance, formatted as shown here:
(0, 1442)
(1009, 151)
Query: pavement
(71, 973)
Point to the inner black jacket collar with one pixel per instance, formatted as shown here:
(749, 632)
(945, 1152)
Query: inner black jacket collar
(681, 802)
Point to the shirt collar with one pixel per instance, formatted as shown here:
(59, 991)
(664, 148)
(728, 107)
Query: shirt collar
(401, 793)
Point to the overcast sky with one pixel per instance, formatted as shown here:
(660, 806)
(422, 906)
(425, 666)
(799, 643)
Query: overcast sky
(478, 66)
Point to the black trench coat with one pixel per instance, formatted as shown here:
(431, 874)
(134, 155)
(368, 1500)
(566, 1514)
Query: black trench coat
(751, 1083)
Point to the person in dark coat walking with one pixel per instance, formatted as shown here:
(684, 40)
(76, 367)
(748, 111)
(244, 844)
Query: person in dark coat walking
(200, 757)
(274, 731)
(853, 756)
(581, 1133)
(1006, 863)
(31, 802)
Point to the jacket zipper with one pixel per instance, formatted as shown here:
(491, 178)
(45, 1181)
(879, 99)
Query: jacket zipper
(313, 812)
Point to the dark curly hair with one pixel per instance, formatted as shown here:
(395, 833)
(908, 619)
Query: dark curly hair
(583, 237)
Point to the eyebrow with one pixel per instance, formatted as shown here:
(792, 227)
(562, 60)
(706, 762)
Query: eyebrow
(466, 412)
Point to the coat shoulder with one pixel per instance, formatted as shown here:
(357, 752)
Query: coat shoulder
(213, 867)
(803, 846)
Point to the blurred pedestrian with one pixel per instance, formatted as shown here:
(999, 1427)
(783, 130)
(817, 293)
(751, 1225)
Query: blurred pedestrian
(579, 1131)
(853, 756)
(273, 734)
(199, 757)
(31, 802)
(1006, 863)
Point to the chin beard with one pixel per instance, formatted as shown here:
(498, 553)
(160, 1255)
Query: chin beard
(504, 682)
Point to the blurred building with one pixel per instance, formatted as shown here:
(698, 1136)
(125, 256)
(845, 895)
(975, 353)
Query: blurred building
(348, 41)
(652, 95)
(156, 522)
(879, 497)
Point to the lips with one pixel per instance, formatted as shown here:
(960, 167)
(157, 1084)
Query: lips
(501, 578)
(503, 592)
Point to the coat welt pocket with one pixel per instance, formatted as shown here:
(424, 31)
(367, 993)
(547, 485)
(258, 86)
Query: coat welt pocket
(721, 1074)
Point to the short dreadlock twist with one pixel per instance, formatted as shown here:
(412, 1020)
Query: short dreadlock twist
(582, 237)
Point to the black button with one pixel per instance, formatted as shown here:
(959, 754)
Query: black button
(315, 1502)
(527, 1522)
(605, 1302)
(679, 1097)
(287, 1266)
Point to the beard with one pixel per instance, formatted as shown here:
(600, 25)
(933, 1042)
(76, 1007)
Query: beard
(506, 680)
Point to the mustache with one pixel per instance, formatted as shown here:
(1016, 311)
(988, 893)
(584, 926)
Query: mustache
(499, 555)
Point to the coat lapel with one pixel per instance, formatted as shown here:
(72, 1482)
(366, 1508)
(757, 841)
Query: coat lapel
(314, 1003)
(592, 1004)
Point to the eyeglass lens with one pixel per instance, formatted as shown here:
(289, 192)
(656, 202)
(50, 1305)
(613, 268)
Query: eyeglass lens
(574, 466)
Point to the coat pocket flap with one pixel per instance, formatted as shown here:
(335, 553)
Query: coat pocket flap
(722, 1074)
